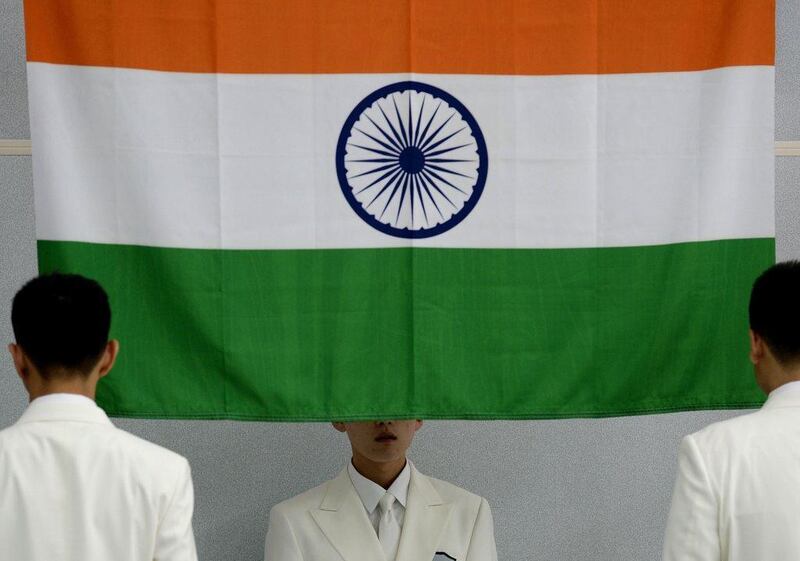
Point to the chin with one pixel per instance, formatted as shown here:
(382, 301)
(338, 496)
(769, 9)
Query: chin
(385, 456)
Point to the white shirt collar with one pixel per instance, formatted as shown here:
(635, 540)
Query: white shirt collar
(370, 492)
(73, 398)
(789, 387)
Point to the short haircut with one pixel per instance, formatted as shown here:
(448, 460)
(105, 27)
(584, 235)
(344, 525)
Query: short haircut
(775, 310)
(62, 323)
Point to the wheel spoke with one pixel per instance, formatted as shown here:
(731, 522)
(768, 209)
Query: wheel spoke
(435, 175)
(444, 170)
(433, 184)
(381, 178)
(436, 133)
(419, 118)
(403, 199)
(427, 126)
(445, 139)
(446, 150)
(424, 186)
(397, 179)
(376, 170)
(411, 193)
(389, 147)
(394, 190)
(375, 150)
(403, 133)
(383, 160)
(391, 127)
(415, 185)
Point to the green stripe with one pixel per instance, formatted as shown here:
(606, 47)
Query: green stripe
(428, 333)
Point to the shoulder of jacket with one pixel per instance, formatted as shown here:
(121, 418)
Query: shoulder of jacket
(13, 435)
(454, 494)
(8, 433)
(10, 429)
(147, 461)
(149, 452)
(730, 433)
(301, 503)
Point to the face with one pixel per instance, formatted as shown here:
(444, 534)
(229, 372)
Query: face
(380, 441)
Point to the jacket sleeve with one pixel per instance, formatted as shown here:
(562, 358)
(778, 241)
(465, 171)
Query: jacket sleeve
(481, 544)
(281, 543)
(692, 532)
(175, 538)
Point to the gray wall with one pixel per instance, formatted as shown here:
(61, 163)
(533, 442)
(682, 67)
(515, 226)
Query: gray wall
(560, 490)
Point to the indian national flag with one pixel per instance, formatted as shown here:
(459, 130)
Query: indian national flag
(359, 209)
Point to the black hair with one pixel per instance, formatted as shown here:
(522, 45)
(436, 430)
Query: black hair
(61, 322)
(775, 310)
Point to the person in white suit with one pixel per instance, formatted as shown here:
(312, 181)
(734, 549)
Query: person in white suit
(737, 492)
(72, 486)
(381, 508)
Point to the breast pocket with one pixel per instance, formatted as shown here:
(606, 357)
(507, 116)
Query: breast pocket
(442, 556)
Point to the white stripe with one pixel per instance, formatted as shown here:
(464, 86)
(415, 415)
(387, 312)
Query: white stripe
(247, 161)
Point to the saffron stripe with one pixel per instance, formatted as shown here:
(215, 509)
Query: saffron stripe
(511, 37)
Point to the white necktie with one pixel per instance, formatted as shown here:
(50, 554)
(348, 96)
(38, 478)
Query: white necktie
(388, 528)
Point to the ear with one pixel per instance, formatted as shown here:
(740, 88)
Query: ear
(341, 427)
(20, 360)
(757, 347)
(109, 358)
(418, 425)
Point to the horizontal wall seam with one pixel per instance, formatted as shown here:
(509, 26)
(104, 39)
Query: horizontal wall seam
(787, 148)
(15, 147)
(22, 147)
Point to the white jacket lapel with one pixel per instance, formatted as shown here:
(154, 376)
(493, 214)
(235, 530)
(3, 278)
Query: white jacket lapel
(425, 518)
(343, 520)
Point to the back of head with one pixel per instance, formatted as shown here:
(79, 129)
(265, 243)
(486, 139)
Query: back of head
(61, 322)
(775, 310)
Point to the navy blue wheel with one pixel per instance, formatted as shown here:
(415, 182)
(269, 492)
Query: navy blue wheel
(411, 160)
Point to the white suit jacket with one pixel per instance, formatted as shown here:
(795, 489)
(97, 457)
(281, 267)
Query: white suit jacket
(329, 523)
(737, 492)
(74, 488)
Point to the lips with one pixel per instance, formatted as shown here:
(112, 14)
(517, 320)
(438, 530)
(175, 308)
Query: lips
(385, 437)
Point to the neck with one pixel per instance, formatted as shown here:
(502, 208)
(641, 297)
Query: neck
(74, 384)
(381, 473)
(770, 374)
